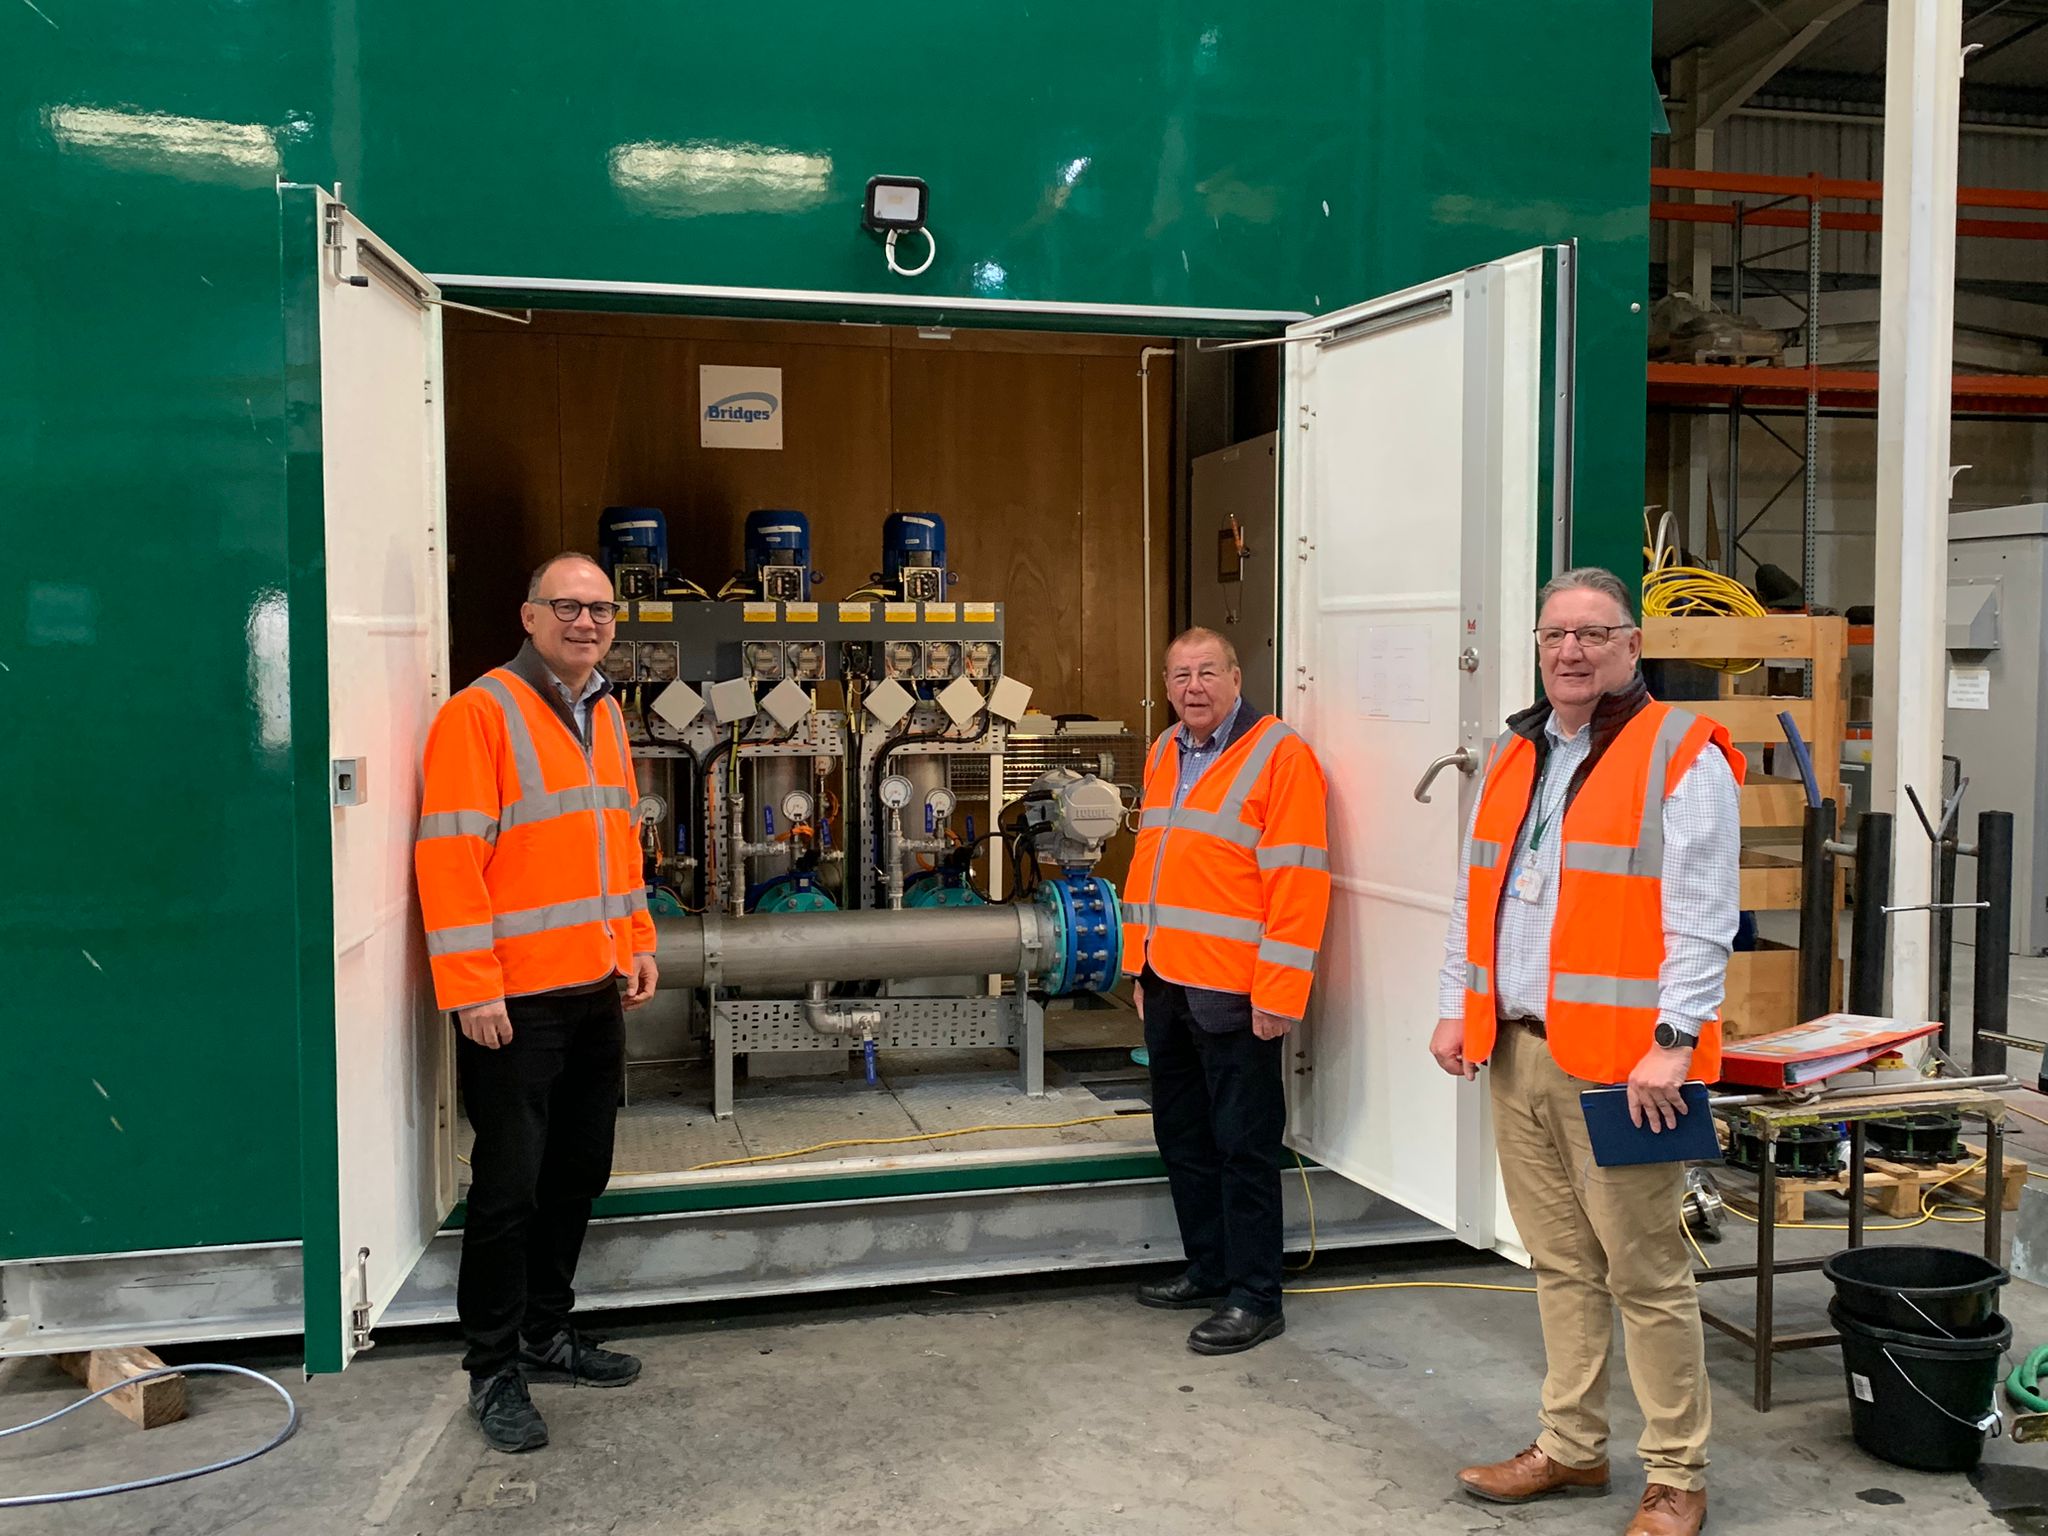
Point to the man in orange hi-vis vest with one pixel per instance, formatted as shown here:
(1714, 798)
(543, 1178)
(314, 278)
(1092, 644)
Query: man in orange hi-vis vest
(1589, 944)
(531, 889)
(1223, 914)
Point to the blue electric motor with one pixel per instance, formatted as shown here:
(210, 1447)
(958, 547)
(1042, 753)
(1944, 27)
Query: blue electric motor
(778, 554)
(632, 545)
(914, 556)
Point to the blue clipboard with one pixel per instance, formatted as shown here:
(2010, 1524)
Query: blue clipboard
(1618, 1141)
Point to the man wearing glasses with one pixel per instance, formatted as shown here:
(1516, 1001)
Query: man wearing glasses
(530, 887)
(1589, 943)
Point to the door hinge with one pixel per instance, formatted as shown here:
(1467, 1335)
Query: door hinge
(359, 1315)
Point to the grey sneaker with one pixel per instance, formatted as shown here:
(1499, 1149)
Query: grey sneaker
(570, 1357)
(504, 1411)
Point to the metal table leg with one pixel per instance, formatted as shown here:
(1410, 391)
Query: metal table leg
(1859, 1147)
(1766, 1269)
(1994, 1189)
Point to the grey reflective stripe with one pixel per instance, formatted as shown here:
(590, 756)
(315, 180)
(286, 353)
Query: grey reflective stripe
(1159, 751)
(566, 914)
(562, 802)
(1156, 817)
(525, 755)
(1476, 979)
(1245, 930)
(1604, 991)
(1254, 764)
(618, 716)
(1650, 832)
(460, 941)
(1294, 856)
(1273, 952)
(1215, 823)
(458, 824)
(1601, 858)
(1485, 853)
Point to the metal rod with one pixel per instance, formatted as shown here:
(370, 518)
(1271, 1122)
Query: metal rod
(1945, 934)
(1868, 958)
(1885, 1090)
(1991, 995)
(1817, 912)
(793, 949)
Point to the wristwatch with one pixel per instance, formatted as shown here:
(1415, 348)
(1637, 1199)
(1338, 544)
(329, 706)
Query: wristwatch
(1672, 1038)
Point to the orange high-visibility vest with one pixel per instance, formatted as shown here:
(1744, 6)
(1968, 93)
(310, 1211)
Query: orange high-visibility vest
(1607, 944)
(1229, 891)
(529, 870)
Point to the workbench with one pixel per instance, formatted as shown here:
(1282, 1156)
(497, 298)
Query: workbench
(1768, 1121)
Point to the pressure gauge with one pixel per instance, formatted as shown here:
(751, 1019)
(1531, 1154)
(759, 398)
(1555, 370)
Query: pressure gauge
(764, 660)
(901, 658)
(940, 803)
(796, 806)
(984, 659)
(941, 660)
(651, 811)
(658, 662)
(896, 792)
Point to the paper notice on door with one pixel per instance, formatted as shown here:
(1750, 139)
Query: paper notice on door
(1969, 687)
(1393, 673)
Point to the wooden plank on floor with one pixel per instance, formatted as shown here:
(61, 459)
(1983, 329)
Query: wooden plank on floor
(149, 1403)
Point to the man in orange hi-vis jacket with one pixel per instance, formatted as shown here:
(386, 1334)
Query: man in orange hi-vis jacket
(1589, 943)
(530, 886)
(1223, 914)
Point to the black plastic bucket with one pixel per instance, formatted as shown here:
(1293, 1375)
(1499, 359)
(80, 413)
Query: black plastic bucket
(1937, 1292)
(1918, 1401)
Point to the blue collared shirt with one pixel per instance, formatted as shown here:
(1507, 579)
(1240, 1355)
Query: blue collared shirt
(1195, 757)
(580, 707)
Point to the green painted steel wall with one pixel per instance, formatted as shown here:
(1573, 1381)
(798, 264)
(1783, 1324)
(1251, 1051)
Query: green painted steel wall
(1230, 153)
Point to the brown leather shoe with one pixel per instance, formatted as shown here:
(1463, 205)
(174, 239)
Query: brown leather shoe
(1533, 1475)
(1667, 1511)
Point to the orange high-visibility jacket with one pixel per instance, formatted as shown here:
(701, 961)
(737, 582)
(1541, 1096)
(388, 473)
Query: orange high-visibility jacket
(529, 871)
(1607, 943)
(1230, 890)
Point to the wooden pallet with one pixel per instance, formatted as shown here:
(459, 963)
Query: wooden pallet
(1893, 1190)
(1763, 984)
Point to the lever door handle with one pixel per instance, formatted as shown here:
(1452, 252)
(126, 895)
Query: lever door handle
(1462, 760)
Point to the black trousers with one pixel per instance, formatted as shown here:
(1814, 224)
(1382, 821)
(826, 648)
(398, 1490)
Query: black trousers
(544, 1108)
(1219, 1109)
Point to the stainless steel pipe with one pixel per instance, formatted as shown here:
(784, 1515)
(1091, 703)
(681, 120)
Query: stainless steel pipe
(791, 949)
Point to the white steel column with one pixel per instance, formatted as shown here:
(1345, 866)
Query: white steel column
(1923, 79)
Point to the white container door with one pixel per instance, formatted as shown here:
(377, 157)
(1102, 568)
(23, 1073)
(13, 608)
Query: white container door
(379, 1158)
(1424, 451)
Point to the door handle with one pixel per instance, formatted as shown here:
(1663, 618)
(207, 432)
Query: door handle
(1462, 760)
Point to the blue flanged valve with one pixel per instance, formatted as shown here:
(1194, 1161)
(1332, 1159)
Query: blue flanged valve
(797, 892)
(1088, 935)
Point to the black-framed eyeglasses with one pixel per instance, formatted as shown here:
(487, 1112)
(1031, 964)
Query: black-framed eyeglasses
(1592, 637)
(568, 610)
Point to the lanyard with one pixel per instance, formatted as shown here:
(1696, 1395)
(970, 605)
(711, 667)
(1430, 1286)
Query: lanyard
(1547, 816)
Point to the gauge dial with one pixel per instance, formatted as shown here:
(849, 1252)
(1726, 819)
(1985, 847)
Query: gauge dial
(896, 792)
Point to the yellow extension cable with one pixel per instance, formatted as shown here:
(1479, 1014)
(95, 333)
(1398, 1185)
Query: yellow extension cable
(1671, 590)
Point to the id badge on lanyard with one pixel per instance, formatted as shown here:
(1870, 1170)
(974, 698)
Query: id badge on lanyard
(1528, 883)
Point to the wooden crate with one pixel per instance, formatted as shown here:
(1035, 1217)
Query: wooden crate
(1763, 985)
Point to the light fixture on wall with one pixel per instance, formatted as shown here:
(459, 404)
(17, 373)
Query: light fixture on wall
(893, 205)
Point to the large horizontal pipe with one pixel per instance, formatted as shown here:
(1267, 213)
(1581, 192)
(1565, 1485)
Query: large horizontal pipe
(788, 949)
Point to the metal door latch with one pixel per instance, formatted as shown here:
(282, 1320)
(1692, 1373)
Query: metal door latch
(1462, 759)
(347, 782)
(359, 1315)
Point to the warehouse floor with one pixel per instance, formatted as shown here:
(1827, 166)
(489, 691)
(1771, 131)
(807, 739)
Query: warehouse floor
(1051, 1406)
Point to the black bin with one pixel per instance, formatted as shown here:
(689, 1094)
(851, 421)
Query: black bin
(1920, 1401)
(1939, 1292)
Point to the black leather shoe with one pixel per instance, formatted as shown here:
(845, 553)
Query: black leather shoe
(1234, 1329)
(570, 1357)
(1177, 1293)
(505, 1413)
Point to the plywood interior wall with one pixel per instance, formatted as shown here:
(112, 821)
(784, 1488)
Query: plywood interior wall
(1027, 445)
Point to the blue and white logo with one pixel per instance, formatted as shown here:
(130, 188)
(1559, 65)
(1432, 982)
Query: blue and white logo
(742, 406)
(749, 406)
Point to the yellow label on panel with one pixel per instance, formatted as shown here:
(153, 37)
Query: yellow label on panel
(941, 612)
(856, 613)
(979, 613)
(655, 613)
(760, 613)
(800, 613)
(899, 613)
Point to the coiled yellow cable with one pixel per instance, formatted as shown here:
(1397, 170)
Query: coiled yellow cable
(1672, 591)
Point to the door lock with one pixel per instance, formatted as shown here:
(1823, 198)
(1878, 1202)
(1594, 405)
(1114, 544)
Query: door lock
(1462, 759)
(1468, 659)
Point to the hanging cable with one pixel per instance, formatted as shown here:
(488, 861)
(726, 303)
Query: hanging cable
(1672, 591)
